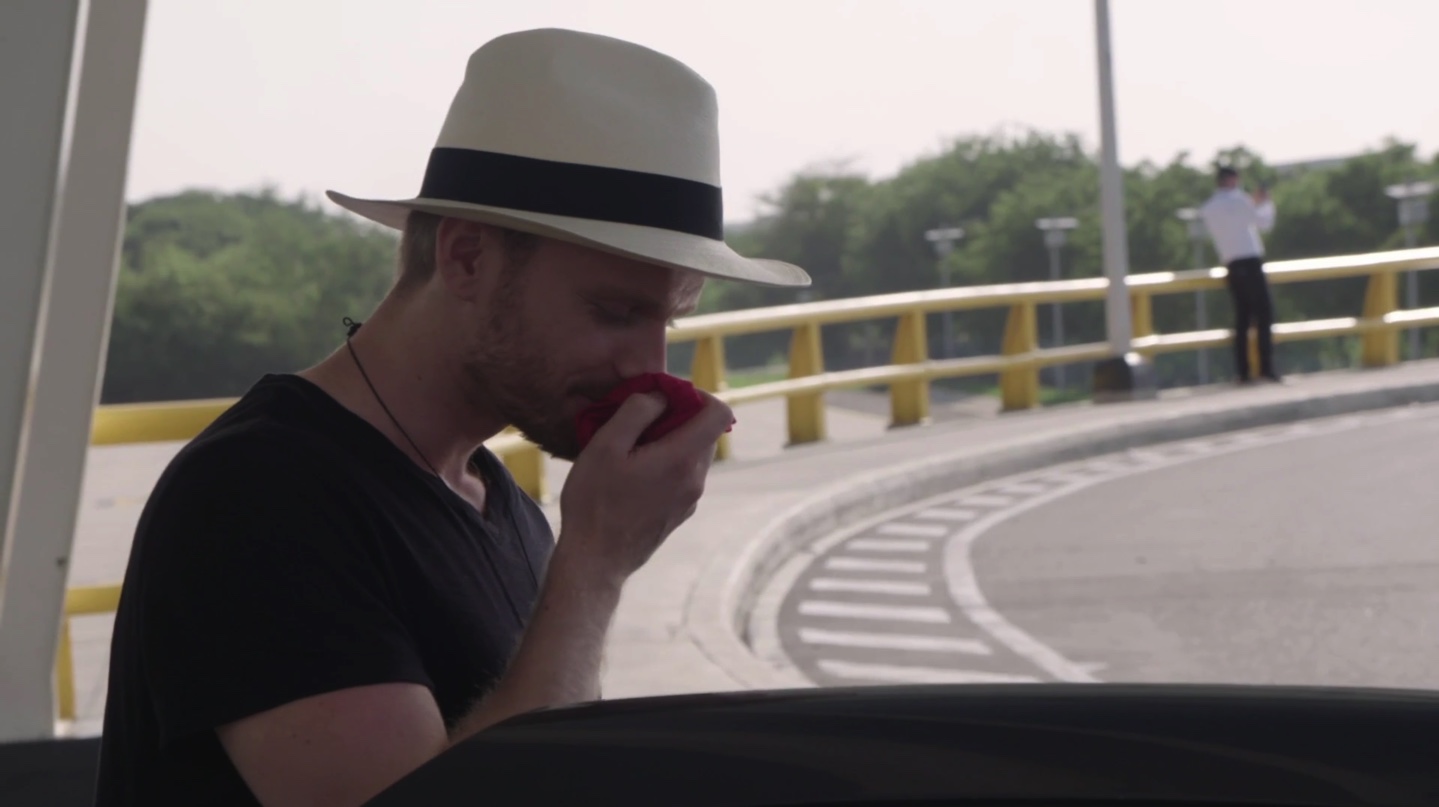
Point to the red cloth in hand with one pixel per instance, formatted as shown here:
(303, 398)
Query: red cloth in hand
(684, 403)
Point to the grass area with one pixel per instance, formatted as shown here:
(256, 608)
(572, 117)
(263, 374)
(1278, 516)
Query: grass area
(756, 375)
(1048, 396)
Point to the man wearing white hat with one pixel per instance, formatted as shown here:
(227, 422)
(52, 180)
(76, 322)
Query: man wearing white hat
(336, 581)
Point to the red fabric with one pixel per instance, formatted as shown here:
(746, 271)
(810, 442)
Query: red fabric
(684, 403)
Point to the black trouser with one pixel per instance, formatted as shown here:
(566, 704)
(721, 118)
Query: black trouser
(1249, 290)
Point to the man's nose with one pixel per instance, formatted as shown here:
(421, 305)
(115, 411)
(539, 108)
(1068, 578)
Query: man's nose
(645, 352)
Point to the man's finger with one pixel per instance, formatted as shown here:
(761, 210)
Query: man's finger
(631, 419)
(701, 431)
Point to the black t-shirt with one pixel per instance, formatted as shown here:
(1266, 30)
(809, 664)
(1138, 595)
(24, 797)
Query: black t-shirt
(290, 550)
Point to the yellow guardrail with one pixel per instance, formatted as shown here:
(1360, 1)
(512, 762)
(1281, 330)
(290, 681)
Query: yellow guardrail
(80, 601)
(908, 375)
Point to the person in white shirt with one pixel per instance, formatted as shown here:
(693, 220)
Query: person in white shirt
(1235, 221)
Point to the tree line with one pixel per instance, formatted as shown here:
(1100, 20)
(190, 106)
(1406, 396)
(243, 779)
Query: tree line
(217, 289)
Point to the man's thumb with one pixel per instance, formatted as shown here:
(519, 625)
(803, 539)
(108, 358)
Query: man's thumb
(632, 418)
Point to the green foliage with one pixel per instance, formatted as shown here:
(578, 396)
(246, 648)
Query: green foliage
(216, 290)
(995, 187)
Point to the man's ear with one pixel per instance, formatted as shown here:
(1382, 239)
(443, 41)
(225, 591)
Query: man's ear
(464, 252)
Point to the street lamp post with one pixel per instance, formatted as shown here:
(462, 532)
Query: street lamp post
(1198, 233)
(1413, 200)
(1125, 375)
(944, 239)
(1056, 235)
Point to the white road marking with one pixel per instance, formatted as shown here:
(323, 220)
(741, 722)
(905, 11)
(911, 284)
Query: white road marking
(907, 589)
(964, 590)
(1106, 466)
(900, 528)
(963, 586)
(894, 641)
(841, 563)
(946, 514)
(888, 545)
(894, 673)
(854, 610)
(1020, 489)
(1198, 447)
(1063, 478)
(983, 501)
(1147, 456)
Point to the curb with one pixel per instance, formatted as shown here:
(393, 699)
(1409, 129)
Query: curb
(731, 583)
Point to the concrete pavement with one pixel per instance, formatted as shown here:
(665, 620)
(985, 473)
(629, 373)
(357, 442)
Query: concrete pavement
(683, 623)
(1310, 560)
(1292, 554)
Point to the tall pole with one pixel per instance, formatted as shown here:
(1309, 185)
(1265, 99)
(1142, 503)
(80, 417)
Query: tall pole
(948, 328)
(1201, 312)
(1111, 195)
(1411, 291)
(943, 239)
(1413, 200)
(1056, 315)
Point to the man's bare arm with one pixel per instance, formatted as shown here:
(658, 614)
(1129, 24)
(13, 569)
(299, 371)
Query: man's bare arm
(345, 747)
(559, 661)
(342, 748)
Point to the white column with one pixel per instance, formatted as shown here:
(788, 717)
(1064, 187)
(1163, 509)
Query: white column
(1111, 196)
(81, 256)
(36, 45)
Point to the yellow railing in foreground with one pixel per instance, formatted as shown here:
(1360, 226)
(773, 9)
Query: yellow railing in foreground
(908, 375)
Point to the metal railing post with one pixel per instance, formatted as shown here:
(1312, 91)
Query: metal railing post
(1141, 307)
(707, 371)
(1019, 387)
(805, 412)
(1380, 348)
(909, 400)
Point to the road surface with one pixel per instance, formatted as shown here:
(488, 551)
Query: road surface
(1301, 554)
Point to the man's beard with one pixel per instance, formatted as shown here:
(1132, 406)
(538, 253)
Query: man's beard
(509, 376)
(521, 391)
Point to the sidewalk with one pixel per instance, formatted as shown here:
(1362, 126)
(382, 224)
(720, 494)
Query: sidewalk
(677, 629)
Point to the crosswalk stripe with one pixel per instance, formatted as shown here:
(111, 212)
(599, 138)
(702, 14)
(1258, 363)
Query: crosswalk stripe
(983, 501)
(894, 673)
(1197, 447)
(868, 565)
(893, 641)
(888, 545)
(855, 610)
(900, 528)
(946, 514)
(905, 588)
(1146, 456)
(1064, 478)
(1021, 489)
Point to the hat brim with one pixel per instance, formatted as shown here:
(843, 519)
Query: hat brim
(653, 245)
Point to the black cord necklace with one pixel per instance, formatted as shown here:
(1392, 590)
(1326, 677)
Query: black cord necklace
(354, 326)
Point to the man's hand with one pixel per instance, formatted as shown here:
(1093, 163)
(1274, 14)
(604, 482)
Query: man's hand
(619, 504)
(621, 501)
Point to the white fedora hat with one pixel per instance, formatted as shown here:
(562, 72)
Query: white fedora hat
(590, 140)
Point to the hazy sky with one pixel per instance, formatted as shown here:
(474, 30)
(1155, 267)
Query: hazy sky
(349, 94)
